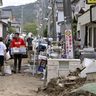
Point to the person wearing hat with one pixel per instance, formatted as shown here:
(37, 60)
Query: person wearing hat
(17, 42)
(29, 43)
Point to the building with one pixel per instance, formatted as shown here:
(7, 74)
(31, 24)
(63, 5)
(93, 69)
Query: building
(3, 28)
(6, 19)
(7, 13)
(86, 25)
(60, 18)
(16, 25)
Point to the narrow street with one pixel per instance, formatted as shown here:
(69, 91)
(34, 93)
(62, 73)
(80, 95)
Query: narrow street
(23, 84)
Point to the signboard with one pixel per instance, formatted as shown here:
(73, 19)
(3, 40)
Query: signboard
(91, 1)
(69, 44)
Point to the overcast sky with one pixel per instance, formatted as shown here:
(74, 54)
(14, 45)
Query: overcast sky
(16, 2)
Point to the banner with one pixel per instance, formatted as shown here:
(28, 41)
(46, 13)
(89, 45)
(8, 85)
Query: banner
(91, 1)
(69, 44)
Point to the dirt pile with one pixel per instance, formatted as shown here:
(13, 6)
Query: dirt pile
(63, 86)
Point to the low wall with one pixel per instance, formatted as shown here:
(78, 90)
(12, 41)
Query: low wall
(61, 67)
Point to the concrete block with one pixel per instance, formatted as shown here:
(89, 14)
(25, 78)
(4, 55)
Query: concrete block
(61, 67)
(91, 76)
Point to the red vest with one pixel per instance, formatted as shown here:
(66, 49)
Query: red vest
(17, 43)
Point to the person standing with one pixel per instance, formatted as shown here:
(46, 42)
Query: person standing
(30, 47)
(17, 42)
(2, 55)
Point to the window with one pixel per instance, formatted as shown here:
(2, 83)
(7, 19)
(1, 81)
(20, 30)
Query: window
(95, 37)
(90, 37)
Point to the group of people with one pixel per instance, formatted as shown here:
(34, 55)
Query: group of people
(16, 42)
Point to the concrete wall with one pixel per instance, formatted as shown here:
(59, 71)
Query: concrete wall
(94, 13)
(84, 19)
(60, 16)
(1, 30)
(61, 67)
(91, 76)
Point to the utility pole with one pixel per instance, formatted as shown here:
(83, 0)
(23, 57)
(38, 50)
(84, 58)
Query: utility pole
(49, 24)
(54, 20)
(68, 28)
(22, 17)
(0, 8)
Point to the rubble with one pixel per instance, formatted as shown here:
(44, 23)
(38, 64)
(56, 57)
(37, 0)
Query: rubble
(63, 86)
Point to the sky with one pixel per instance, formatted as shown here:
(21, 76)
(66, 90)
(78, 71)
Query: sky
(16, 2)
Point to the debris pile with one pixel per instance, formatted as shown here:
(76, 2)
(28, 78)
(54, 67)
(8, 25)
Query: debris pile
(63, 86)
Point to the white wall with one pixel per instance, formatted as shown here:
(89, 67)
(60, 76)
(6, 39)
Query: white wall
(94, 14)
(61, 67)
(84, 19)
(5, 20)
(1, 30)
(57, 28)
(60, 16)
(60, 19)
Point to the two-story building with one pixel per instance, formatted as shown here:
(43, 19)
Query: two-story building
(3, 28)
(86, 26)
(6, 18)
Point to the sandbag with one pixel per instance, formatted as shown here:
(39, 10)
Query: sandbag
(8, 56)
(7, 69)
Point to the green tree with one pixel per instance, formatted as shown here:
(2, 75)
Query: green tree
(74, 26)
(11, 30)
(30, 27)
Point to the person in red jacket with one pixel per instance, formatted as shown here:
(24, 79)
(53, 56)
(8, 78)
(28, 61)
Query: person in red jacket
(17, 43)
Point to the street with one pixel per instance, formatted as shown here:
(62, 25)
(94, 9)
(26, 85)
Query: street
(20, 84)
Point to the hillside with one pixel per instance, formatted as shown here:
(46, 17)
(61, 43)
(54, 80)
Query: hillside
(29, 12)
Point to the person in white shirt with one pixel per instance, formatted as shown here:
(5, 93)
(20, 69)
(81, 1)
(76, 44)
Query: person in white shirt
(2, 54)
